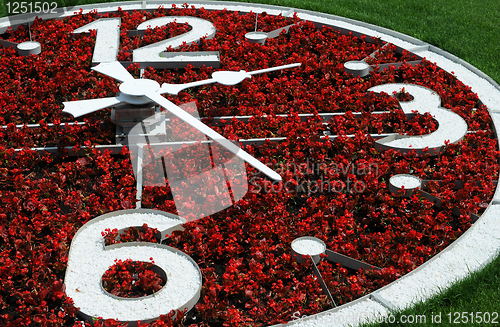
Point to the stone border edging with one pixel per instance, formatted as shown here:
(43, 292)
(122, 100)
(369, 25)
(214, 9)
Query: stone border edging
(478, 246)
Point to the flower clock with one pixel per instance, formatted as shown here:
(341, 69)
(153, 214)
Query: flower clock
(223, 164)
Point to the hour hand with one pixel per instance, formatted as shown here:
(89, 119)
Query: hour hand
(176, 88)
(83, 107)
(221, 77)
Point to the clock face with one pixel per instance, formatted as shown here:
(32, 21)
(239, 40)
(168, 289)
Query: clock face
(357, 111)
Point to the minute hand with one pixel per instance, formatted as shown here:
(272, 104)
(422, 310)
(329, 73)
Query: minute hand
(222, 77)
(266, 70)
(200, 126)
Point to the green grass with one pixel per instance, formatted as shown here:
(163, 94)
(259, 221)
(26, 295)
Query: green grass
(478, 293)
(465, 28)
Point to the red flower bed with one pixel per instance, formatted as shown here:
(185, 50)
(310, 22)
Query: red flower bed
(131, 279)
(335, 190)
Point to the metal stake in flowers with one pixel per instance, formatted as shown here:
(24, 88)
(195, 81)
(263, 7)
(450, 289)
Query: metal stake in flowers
(312, 248)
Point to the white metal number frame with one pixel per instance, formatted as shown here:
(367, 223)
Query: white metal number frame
(421, 283)
(89, 258)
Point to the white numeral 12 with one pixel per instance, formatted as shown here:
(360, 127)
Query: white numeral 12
(108, 42)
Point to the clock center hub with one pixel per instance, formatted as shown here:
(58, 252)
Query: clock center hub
(139, 87)
(134, 91)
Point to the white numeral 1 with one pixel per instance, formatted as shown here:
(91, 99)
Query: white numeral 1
(107, 40)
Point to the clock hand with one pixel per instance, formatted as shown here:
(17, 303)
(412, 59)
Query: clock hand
(225, 78)
(186, 117)
(140, 91)
(222, 77)
(176, 88)
(83, 107)
(270, 69)
(115, 70)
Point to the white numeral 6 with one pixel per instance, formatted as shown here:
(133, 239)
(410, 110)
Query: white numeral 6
(89, 259)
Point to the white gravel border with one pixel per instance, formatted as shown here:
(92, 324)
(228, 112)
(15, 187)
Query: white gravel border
(474, 249)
